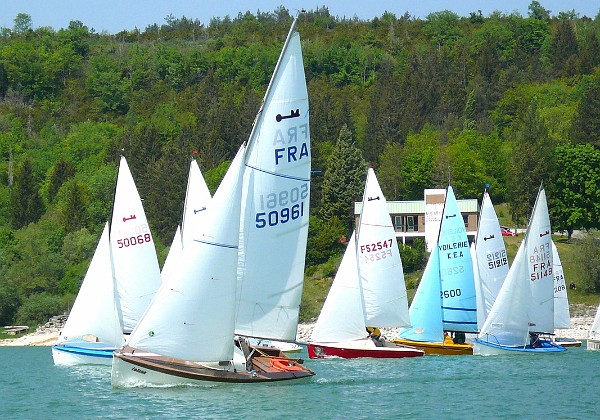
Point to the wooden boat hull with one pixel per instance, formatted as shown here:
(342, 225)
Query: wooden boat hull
(361, 348)
(593, 344)
(72, 354)
(438, 348)
(485, 348)
(134, 368)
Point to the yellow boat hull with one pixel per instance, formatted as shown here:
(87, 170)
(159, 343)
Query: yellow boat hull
(438, 348)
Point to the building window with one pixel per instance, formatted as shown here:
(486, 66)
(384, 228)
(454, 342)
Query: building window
(410, 223)
(466, 220)
(398, 223)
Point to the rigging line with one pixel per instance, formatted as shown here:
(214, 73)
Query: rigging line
(216, 244)
(295, 178)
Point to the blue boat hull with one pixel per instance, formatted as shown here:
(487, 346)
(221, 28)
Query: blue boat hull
(485, 348)
(79, 353)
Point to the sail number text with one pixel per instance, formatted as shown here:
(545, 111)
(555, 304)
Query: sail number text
(376, 251)
(450, 293)
(134, 240)
(496, 259)
(376, 246)
(135, 235)
(281, 207)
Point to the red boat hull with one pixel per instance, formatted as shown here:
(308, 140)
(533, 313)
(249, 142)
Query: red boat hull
(321, 351)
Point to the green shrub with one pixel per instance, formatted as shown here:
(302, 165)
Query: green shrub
(38, 308)
(414, 257)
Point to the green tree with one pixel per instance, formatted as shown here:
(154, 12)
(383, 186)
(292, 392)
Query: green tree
(419, 158)
(23, 24)
(389, 173)
(588, 261)
(325, 240)
(564, 50)
(74, 215)
(530, 165)
(26, 203)
(61, 172)
(537, 11)
(586, 123)
(574, 194)
(343, 181)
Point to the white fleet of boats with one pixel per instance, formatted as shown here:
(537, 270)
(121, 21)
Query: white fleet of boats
(226, 305)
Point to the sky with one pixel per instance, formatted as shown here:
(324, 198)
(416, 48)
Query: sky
(114, 16)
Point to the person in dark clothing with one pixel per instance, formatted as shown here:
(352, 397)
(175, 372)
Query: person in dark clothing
(459, 337)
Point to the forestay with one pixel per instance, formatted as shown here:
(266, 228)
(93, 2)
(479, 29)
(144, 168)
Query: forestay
(275, 205)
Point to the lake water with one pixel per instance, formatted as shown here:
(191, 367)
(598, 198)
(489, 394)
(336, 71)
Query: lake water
(565, 385)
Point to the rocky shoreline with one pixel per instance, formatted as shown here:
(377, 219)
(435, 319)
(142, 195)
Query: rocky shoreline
(582, 318)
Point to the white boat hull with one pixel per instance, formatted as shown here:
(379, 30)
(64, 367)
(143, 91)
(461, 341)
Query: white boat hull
(128, 375)
(593, 344)
(63, 358)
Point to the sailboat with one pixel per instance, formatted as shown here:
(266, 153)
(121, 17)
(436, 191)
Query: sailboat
(93, 330)
(120, 282)
(562, 316)
(368, 289)
(197, 198)
(255, 220)
(490, 262)
(524, 308)
(593, 341)
(445, 299)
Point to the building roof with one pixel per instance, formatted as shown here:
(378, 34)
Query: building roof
(470, 205)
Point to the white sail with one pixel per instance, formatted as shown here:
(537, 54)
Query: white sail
(275, 205)
(134, 256)
(459, 304)
(342, 317)
(491, 261)
(192, 316)
(94, 311)
(562, 317)
(540, 266)
(507, 322)
(172, 260)
(379, 263)
(197, 199)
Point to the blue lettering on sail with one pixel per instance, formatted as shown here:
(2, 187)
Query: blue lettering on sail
(291, 154)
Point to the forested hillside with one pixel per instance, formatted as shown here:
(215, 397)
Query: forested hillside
(505, 100)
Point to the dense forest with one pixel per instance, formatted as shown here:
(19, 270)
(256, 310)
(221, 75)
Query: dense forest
(504, 100)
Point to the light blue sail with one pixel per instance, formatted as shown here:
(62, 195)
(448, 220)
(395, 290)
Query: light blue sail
(456, 270)
(426, 309)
